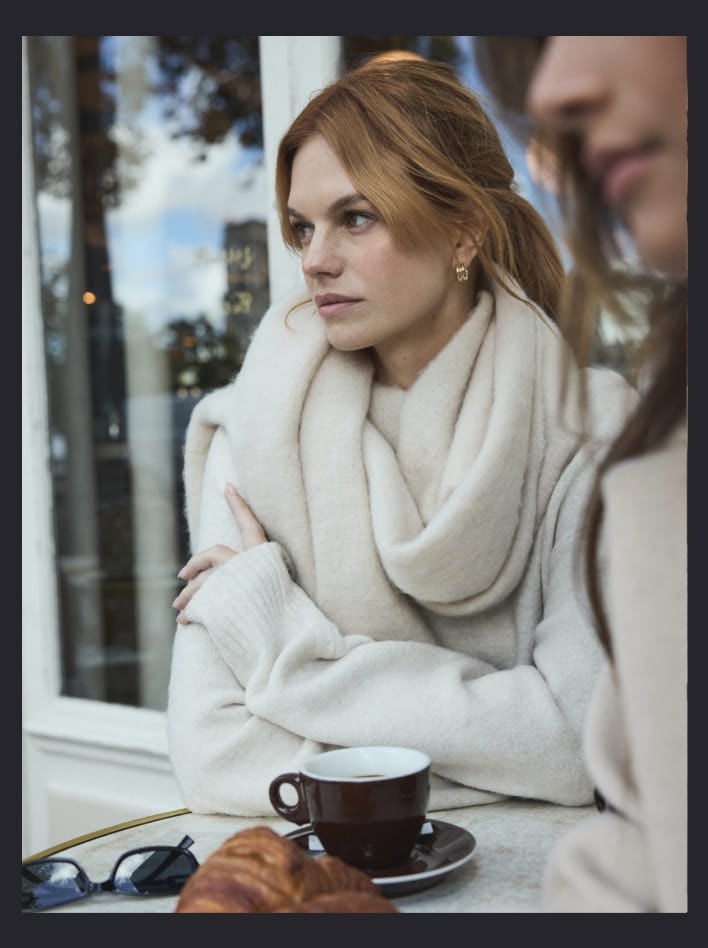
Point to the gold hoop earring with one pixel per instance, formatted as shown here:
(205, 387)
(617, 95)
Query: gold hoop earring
(462, 273)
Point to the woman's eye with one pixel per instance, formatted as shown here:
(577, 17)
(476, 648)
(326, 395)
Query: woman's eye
(302, 232)
(357, 218)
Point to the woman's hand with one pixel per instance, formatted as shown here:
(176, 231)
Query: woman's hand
(200, 566)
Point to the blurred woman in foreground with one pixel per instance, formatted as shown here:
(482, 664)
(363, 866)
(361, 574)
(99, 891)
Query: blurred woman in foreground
(612, 113)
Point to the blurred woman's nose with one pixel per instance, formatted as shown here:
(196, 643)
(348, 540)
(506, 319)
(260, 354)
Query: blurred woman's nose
(320, 256)
(568, 83)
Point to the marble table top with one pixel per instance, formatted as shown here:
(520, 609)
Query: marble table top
(504, 873)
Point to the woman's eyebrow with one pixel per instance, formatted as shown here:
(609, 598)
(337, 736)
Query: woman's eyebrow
(340, 204)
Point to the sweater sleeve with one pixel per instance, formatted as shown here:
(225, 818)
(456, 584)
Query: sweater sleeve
(262, 678)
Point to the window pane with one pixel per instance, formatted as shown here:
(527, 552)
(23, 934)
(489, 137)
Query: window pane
(151, 204)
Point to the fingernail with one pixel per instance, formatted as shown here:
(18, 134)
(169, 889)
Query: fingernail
(230, 489)
(179, 575)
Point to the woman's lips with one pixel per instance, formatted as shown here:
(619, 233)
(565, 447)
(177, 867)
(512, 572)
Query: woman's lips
(330, 304)
(623, 176)
(618, 172)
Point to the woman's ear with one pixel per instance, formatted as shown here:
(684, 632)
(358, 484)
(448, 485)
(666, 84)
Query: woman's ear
(467, 246)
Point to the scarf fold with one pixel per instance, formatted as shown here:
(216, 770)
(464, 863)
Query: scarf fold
(447, 520)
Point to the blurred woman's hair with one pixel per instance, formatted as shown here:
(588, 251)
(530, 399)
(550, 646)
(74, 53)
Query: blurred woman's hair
(602, 279)
(417, 144)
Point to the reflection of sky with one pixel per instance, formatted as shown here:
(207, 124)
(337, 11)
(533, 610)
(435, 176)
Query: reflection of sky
(127, 867)
(61, 872)
(167, 235)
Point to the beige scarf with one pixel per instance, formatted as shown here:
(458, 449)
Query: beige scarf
(448, 519)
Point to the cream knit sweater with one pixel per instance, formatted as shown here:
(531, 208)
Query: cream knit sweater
(418, 586)
(634, 860)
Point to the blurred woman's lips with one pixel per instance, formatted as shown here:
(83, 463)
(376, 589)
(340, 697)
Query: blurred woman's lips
(619, 170)
(331, 304)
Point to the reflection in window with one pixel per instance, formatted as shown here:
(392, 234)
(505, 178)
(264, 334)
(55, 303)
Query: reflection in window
(151, 205)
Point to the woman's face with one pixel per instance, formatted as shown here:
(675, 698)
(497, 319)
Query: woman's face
(405, 304)
(626, 97)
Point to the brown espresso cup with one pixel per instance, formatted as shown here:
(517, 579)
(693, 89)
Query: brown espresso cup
(365, 804)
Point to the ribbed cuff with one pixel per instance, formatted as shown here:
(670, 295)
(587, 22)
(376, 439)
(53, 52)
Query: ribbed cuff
(241, 605)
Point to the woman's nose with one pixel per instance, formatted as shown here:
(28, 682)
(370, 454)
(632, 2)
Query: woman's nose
(321, 256)
(568, 84)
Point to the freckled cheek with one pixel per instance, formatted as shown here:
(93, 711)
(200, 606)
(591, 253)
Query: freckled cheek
(392, 274)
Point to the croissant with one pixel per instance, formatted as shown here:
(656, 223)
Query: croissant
(257, 870)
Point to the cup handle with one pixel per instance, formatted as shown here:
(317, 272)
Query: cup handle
(296, 812)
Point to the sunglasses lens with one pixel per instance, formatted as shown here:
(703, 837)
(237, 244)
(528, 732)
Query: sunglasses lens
(52, 882)
(158, 871)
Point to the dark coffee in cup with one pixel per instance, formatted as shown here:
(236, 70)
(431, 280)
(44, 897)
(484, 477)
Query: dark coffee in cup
(365, 804)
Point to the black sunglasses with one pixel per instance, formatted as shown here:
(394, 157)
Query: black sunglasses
(149, 870)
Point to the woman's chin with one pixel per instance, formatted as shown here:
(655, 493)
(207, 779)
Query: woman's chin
(661, 245)
(345, 341)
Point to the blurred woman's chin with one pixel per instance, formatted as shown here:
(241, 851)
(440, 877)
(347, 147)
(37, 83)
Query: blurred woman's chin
(661, 240)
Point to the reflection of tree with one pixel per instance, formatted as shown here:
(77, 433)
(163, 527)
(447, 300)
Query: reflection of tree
(206, 86)
(200, 357)
(210, 86)
(50, 125)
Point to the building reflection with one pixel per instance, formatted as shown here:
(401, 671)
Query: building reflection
(142, 388)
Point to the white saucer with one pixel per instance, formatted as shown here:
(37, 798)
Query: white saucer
(440, 849)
